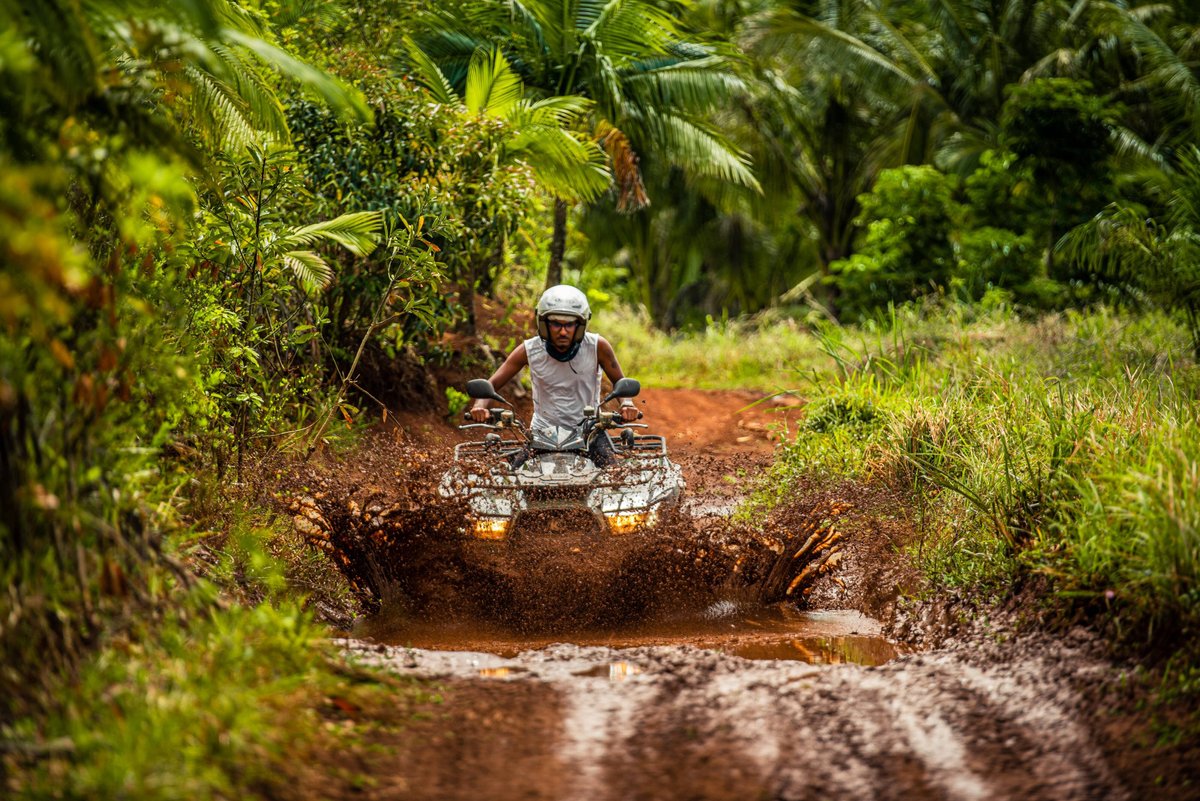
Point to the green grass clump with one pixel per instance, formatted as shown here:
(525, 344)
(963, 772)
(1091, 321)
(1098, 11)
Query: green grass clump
(1134, 538)
(209, 705)
(199, 711)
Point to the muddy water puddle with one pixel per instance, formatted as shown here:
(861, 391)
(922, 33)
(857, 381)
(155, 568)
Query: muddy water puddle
(776, 632)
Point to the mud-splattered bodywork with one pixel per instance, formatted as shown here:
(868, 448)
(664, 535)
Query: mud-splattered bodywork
(502, 480)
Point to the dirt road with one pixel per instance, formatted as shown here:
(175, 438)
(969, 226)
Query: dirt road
(682, 723)
(731, 698)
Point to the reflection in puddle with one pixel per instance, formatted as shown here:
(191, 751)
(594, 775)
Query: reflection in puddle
(750, 631)
(499, 672)
(616, 671)
(821, 650)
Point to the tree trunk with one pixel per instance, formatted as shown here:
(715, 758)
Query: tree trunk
(558, 244)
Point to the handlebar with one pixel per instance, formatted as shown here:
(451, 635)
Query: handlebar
(497, 418)
(614, 420)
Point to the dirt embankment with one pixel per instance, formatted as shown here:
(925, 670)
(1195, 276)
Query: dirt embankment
(568, 691)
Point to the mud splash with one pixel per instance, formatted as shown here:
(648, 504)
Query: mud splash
(404, 549)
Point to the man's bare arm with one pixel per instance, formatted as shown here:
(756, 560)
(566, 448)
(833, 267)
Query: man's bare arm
(612, 368)
(504, 373)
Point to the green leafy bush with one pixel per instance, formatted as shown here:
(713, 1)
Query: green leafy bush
(909, 218)
(210, 705)
(995, 258)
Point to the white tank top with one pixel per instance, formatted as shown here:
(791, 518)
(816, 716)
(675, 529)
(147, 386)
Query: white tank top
(562, 389)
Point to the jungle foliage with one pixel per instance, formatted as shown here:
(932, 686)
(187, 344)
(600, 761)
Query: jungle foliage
(230, 227)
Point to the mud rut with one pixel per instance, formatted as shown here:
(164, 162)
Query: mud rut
(558, 685)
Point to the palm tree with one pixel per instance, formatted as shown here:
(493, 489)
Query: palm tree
(945, 73)
(162, 74)
(651, 90)
(819, 130)
(540, 134)
(1144, 57)
(537, 135)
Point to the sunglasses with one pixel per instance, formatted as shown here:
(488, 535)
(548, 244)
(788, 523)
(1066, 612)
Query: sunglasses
(564, 325)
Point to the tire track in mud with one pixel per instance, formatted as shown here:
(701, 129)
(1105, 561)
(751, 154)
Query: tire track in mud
(686, 723)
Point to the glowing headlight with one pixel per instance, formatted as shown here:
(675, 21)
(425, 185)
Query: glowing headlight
(626, 522)
(492, 528)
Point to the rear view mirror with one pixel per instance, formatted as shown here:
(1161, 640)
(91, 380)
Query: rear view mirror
(481, 389)
(624, 388)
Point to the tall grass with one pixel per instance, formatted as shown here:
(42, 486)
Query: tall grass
(1066, 446)
(736, 354)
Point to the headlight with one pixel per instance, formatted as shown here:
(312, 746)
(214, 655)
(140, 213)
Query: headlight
(626, 522)
(492, 528)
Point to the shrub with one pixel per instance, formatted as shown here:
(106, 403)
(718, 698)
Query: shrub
(907, 252)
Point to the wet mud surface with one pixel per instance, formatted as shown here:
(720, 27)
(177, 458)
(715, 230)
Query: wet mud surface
(679, 722)
(706, 658)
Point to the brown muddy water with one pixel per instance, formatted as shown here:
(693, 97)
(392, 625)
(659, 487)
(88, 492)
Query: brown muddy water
(775, 632)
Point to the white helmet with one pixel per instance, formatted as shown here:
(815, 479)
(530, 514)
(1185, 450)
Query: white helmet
(567, 301)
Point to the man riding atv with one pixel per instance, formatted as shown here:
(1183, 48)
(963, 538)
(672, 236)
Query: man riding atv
(528, 480)
(564, 362)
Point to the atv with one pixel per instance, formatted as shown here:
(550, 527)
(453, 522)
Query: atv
(515, 473)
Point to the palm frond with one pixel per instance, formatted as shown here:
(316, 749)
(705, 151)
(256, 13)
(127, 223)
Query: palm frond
(547, 26)
(530, 21)
(787, 27)
(1129, 145)
(698, 86)
(256, 94)
(451, 49)
(631, 29)
(570, 169)
(428, 74)
(218, 112)
(312, 271)
(1165, 67)
(560, 110)
(1184, 205)
(492, 87)
(698, 149)
(358, 232)
(344, 99)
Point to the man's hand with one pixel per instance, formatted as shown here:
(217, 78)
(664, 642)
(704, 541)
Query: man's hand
(480, 414)
(629, 412)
